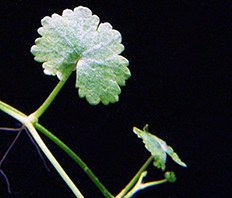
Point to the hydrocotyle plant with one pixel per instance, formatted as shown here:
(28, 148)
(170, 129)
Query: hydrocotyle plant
(77, 42)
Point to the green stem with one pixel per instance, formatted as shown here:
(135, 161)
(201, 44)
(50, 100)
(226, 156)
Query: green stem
(33, 119)
(49, 99)
(53, 160)
(140, 185)
(12, 111)
(28, 122)
(154, 183)
(77, 159)
(135, 178)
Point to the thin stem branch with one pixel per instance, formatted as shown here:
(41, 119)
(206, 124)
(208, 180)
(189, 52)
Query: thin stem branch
(135, 178)
(37, 148)
(10, 147)
(7, 152)
(154, 183)
(140, 185)
(9, 129)
(77, 159)
(7, 181)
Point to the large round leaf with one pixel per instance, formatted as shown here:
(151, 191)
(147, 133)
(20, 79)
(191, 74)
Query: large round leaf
(77, 42)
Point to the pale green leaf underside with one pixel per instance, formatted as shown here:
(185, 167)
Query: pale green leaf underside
(158, 148)
(76, 41)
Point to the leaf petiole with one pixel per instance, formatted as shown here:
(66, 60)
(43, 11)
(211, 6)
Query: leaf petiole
(140, 185)
(49, 99)
(135, 178)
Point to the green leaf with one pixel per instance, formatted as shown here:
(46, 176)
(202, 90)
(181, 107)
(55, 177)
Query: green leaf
(158, 148)
(76, 41)
(170, 176)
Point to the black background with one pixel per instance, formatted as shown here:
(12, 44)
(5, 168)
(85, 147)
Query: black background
(180, 85)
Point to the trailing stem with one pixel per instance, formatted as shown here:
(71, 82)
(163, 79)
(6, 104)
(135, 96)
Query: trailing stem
(77, 159)
(28, 121)
(31, 122)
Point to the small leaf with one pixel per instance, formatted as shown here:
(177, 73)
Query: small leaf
(76, 41)
(158, 148)
(170, 176)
